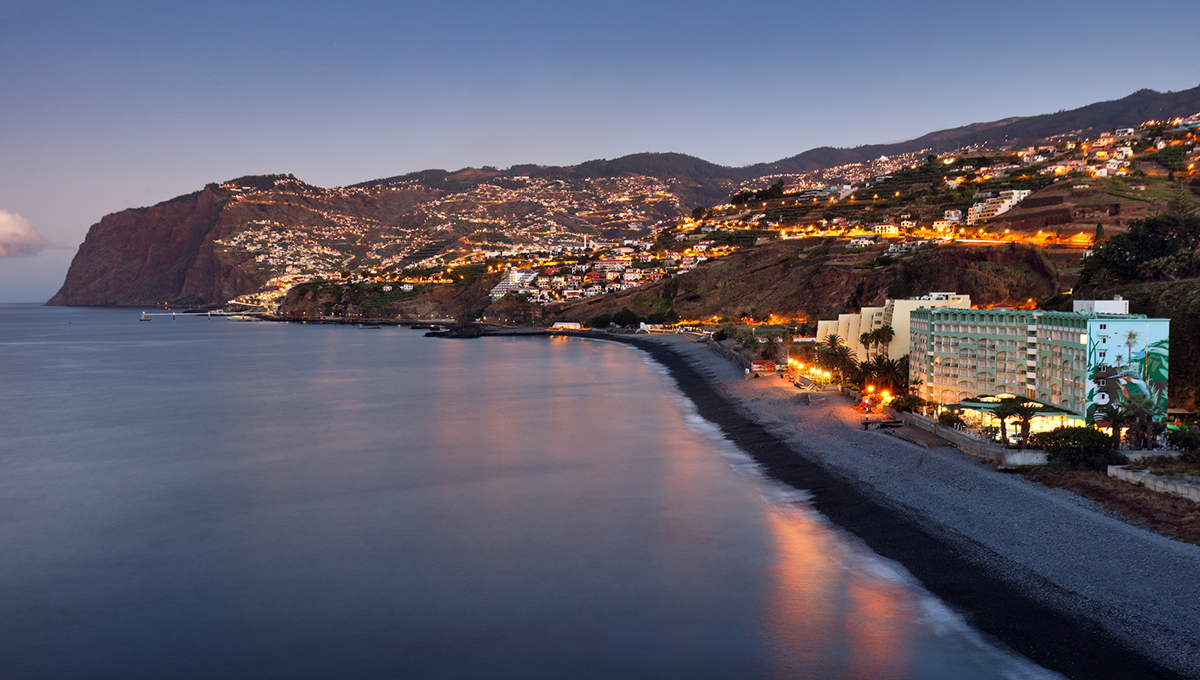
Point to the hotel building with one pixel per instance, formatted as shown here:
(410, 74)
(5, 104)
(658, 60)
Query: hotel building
(1078, 361)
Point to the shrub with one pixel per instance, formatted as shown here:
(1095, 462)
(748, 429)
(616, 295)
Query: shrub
(907, 403)
(625, 318)
(600, 321)
(951, 419)
(1081, 448)
(1184, 440)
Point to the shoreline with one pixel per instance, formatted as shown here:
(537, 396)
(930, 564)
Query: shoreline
(1043, 618)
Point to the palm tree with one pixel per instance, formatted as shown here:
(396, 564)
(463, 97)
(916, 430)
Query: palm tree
(1026, 412)
(1006, 410)
(1138, 410)
(1021, 408)
(832, 341)
(838, 358)
(890, 374)
(1116, 416)
(884, 336)
(867, 339)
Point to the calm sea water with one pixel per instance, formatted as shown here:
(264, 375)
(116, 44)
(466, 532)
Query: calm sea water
(214, 499)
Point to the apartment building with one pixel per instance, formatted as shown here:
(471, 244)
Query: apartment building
(995, 206)
(1079, 361)
(894, 313)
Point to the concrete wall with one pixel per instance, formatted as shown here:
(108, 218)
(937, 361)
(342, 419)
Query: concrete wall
(1155, 483)
(974, 446)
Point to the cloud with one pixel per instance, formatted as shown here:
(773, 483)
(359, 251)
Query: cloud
(17, 236)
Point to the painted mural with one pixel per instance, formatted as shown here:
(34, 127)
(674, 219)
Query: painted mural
(1127, 359)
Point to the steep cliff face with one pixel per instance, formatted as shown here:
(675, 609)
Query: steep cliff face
(159, 254)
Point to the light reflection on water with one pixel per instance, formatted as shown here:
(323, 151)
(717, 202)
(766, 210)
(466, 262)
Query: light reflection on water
(212, 498)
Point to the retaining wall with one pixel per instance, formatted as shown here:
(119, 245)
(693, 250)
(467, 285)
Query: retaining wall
(976, 447)
(1155, 483)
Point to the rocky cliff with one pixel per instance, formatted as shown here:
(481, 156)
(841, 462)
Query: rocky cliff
(163, 253)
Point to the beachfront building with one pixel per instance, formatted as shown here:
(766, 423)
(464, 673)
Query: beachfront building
(894, 313)
(1077, 361)
(515, 281)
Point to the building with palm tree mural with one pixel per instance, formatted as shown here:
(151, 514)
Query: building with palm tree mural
(1128, 358)
(1076, 361)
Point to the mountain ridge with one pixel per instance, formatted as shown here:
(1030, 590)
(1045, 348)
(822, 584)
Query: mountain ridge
(1137, 107)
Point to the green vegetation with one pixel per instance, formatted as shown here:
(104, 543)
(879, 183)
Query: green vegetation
(1171, 157)
(377, 297)
(1154, 248)
(1080, 448)
(907, 403)
(771, 192)
(951, 419)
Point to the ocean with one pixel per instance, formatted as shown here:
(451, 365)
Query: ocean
(202, 498)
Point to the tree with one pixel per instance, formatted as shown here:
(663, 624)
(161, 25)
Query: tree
(884, 336)
(1006, 410)
(886, 374)
(1026, 412)
(1117, 416)
(698, 212)
(867, 339)
(625, 318)
(1139, 413)
(1020, 408)
(600, 321)
(841, 360)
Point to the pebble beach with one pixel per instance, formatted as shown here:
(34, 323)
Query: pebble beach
(1048, 574)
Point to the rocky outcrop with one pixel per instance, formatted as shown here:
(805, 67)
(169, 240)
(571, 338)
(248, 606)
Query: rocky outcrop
(161, 254)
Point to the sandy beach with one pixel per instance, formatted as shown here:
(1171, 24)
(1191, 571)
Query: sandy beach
(1046, 573)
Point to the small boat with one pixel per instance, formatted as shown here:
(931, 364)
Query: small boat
(145, 318)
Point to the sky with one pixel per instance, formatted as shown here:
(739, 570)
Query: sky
(112, 104)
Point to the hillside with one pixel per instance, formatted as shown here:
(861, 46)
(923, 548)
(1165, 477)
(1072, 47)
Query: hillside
(795, 280)
(267, 233)
(260, 235)
(1138, 107)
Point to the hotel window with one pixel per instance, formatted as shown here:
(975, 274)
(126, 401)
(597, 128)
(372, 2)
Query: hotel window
(1103, 354)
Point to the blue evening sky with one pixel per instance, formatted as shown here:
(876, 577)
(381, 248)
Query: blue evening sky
(110, 104)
